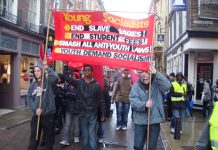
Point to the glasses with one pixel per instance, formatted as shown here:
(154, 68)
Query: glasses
(87, 70)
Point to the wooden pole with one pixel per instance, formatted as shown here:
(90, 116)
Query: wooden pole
(43, 73)
(149, 96)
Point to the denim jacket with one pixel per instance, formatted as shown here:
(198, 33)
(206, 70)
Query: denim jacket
(138, 98)
(48, 96)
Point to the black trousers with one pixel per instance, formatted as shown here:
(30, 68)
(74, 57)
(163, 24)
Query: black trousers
(205, 108)
(46, 125)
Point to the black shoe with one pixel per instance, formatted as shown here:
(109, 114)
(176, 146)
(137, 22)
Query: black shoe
(42, 143)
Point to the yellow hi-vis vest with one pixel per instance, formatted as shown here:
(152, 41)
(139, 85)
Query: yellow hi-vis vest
(179, 89)
(214, 128)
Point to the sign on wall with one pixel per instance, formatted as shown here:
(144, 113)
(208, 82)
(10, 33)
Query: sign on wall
(160, 37)
(103, 39)
(179, 5)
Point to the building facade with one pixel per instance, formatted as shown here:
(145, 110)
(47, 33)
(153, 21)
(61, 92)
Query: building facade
(192, 46)
(23, 25)
(160, 8)
(19, 43)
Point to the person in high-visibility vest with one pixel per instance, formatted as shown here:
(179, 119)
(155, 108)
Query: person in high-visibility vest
(178, 93)
(209, 136)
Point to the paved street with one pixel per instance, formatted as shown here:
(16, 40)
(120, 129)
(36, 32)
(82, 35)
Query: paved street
(15, 132)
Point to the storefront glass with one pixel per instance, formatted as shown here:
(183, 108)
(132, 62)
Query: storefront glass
(5, 69)
(25, 72)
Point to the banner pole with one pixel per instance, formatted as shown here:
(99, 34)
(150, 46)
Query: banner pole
(43, 73)
(149, 96)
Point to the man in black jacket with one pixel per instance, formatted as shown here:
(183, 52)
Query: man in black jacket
(88, 100)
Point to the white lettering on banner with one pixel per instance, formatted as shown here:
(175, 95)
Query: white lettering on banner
(77, 27)
(142, 50)
(69, 43)
(87, 44)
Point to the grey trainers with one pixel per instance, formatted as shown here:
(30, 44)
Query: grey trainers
(65, 143)
(76, 139)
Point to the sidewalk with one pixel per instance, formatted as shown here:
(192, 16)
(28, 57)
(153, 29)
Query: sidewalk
(191, 131)
(14, 118)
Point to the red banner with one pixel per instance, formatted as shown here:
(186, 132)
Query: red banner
(100, 38)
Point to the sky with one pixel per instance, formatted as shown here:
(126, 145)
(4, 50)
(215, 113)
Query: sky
(117, 6)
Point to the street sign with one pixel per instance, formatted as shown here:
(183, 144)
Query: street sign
(160, 37)
(179, 5)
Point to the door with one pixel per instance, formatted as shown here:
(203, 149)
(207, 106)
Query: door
(204, 72)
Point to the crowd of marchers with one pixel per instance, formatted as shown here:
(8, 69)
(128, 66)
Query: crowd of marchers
(73, 100)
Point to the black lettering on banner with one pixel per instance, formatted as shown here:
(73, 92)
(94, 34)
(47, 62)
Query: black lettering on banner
(104, 37)
(131, 57)
(77, 36)
(70, 51)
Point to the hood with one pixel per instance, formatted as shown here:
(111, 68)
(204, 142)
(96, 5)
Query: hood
(39, 66)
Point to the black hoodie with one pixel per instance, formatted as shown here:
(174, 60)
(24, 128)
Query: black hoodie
(89, 97)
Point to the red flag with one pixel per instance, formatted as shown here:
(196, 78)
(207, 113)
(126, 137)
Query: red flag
(41, 51)
(74, 65)
(98, 74)
(134, 76)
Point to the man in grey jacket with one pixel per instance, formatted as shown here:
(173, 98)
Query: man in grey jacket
(46, 112)
(140, 102)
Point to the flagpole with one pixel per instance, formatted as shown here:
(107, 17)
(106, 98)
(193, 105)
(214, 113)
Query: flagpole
(149, 95)
(43, 74)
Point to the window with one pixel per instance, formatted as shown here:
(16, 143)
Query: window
(70, 5)
(5, 69)
(30, 47)
(6, 10)
(8, 41)
(26, 76)
(32, 16)
(32, 11)
(26, 46)
(35, 48)
(208, 9)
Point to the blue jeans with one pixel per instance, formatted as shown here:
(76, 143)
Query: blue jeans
(88, 129)
(100, 132)
(122, 113)
(141, 136)
(66, 131)
(177, 113)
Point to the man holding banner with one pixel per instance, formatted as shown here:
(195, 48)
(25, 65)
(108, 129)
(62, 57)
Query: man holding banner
(88, 101)
(46, 112)
(140, 103)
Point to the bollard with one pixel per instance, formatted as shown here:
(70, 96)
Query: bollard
(166, 111)
(177, 128)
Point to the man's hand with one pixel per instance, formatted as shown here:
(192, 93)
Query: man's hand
(103, 119)
(152, 70)
(113, 100)
(45, 63)
(149, 103)
(184, 94)
(38, 111)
